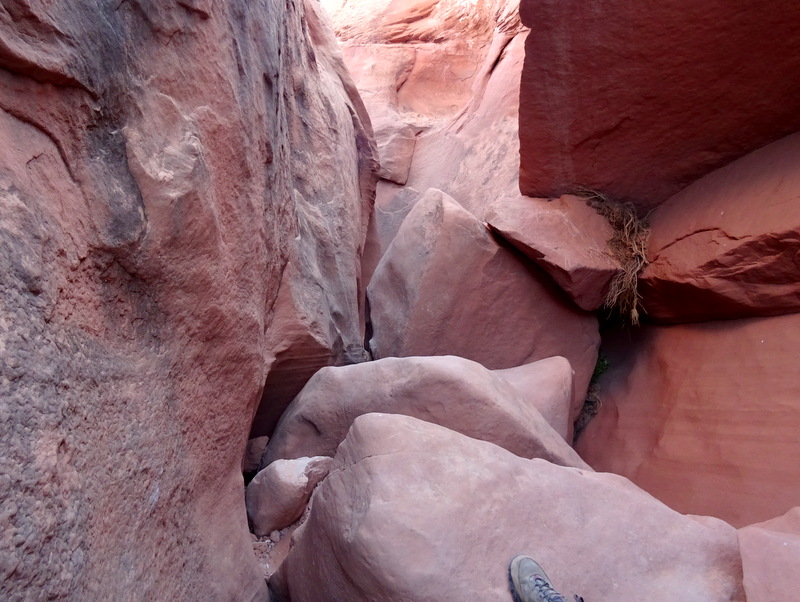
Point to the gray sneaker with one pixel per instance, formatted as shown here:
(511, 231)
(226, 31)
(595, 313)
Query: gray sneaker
(529, 583)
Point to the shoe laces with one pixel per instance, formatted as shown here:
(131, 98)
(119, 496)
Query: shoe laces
(545, 590)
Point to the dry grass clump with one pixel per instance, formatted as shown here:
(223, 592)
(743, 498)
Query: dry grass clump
(629, 246)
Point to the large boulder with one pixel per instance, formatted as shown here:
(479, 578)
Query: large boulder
(639, 99)
(727, 246)
(769, 558)
(147, 211)
(446, 287)
(705, 417)
(450, 391)
(413, 511)
(566, 237)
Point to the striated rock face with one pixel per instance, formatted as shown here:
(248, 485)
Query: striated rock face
(640, 99)
(704, 417)
(501, 407)
(408, 506)
(769, 558)
(564, 236)
(728, 245)
(446, 287)
(153, 156)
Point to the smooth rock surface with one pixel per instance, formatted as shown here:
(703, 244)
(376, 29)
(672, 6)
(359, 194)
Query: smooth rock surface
(728, 246)
(146, 216)
(565, 237)
(409, 505)
(446, 287)
(450, 391)
(705, 417)
(277, 496)
(770, 552)
(639, 99)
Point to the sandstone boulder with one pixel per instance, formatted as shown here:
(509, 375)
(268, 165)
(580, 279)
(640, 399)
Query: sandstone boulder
(277, 496)
(411, 510)
(446, 287)
(728, 245)
(639, 99)
(565, 237)
(462, 395)
(769, 558)
(705, 417)
(149, 154)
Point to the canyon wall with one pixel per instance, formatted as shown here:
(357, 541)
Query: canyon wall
(180, 184)
(640, 99)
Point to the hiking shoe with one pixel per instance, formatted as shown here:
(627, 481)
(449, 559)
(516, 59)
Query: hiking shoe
(529, 583)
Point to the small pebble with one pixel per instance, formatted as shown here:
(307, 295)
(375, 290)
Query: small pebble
(275, 536)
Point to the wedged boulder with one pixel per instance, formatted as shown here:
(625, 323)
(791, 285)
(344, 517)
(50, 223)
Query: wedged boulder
(639, 99)
(414, 511)
(459, 394)
(727, 246)
(770, 553)
(277, 496)
(704, 416)
(565, 237)
(446, 287)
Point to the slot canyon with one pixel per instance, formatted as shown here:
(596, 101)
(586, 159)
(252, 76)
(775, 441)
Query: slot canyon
(357, 300)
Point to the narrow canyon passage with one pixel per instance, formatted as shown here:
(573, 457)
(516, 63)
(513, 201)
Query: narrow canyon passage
(322, 300)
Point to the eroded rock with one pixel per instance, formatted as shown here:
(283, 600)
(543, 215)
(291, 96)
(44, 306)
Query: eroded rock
(147, 212)
(411, 510)
(769, 558)
(728, 245)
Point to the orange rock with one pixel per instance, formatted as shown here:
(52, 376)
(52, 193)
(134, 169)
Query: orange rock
(639, 99)
(705, 417)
